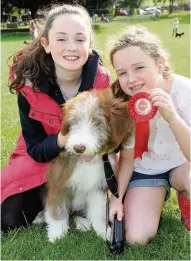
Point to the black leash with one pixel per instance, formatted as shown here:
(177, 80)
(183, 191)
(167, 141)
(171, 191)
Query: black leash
(110, 176)
(116, 242)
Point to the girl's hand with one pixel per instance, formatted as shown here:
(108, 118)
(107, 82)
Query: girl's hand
(115, 207)
(61, 140)
(164, 102)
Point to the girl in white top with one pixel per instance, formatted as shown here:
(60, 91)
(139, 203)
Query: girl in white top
(141, 65)
(175, 26)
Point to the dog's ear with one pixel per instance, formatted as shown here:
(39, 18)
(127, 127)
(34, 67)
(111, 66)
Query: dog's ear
(117, 117)
(120, 122)
(65, 127)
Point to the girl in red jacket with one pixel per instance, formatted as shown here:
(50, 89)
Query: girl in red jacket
(55, 67)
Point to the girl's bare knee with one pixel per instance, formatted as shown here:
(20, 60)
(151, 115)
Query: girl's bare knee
(140, 238)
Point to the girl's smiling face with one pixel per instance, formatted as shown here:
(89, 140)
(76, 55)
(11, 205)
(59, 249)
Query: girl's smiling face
(136, 70)
(69, 41)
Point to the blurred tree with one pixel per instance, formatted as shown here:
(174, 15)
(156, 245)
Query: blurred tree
(34, 5)
(132, 4)
(171, 2)
(6, 7)
(6, 10)
(99, 6)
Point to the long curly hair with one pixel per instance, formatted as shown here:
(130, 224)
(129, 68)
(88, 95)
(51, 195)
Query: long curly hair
(148, 42)
(29, 62)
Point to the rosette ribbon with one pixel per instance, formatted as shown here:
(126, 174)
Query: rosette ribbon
(142, 110)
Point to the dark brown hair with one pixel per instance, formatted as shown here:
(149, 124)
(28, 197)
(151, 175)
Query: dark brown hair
(29, 62)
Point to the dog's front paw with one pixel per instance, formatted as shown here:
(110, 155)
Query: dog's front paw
(82, 224)
(57, 230)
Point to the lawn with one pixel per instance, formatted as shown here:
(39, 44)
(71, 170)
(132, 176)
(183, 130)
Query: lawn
(172, 240)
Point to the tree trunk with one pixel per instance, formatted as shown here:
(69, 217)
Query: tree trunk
(171, 6)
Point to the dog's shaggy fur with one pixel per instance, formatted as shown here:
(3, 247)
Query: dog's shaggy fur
(94, 123)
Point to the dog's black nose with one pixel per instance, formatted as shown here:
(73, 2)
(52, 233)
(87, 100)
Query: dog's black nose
(79, 148)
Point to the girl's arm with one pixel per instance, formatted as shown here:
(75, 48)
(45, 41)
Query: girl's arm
(126, 166)
(40, 146)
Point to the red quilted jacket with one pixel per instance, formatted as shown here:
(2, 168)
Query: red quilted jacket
(22, 172)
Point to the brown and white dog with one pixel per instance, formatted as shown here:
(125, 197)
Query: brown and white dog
(95, 123)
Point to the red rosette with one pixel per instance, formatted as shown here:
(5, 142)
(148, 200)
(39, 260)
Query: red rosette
(142, 110)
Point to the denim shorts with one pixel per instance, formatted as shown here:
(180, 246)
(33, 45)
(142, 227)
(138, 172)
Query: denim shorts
(145, 180)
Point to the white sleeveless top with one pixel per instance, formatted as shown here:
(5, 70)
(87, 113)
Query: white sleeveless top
(164, 152)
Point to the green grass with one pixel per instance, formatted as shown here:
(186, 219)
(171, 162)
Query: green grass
(172, 240)
(4, 28)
